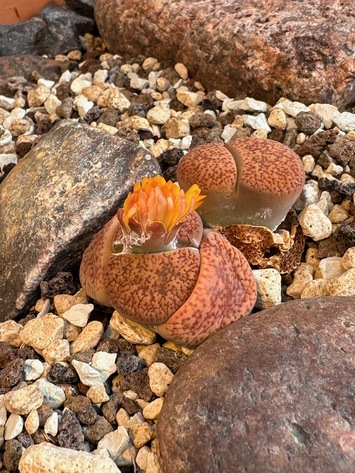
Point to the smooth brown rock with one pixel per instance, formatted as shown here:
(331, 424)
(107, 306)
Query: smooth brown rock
(300, 50)
(62, 192)
(271, 393)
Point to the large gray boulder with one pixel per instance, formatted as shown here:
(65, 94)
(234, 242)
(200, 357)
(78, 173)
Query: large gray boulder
(271, 393)
(62, 192)
(301, 50)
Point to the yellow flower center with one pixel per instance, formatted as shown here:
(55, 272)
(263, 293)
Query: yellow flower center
(158, 200)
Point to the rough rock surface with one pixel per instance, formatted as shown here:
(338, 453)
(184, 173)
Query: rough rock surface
(272, 392)
(300, 50)
(59, 194)
(15, 70)
(52, 32)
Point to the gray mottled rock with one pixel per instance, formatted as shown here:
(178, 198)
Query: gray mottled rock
(270, 393)
(65, 189)
(53, 31)
(243, 47)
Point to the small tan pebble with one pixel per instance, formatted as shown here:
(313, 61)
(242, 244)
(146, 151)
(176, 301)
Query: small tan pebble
(131, 331)
(131, 395)
(348, 259)
(159, 114)
(148, 353)
(61, 58)
(57, 351)
(308, 163)
(149, 63)
(338, 214)
(152, 410)
(269, 287)
(13, 426)
(105, 57)
(40, 332)
(172, 346)
(112, 97)
(32, 422)
(176, 128)
(154, 445)
(302, 276)
(20, 126)
(259, 134)
(78, 314)
(314, 223)
(89, 337)
(315, 288)
(334, 169)
(347, 179)
(63, 302)
(325, 202)
(97, 394)
(159, 147)
(23, 400)
(351, 134)
(343, 285)
(51, 104)
(127, 458)
(330, 268)
(40, 304)
(111, 130)
(142, 403)
(142, 457)
(135, 122)
(122, 417)
(71, 332)
(181, 70)
(162, 84)
(93, 92)
(312, 257)
(160, 376)
(142, 434)
(37, 96)
(277, 119)
(301, 138)
(188, 98)
(152, 464)
(74, 55)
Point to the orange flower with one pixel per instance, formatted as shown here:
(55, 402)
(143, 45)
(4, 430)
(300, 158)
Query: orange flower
(155, 200)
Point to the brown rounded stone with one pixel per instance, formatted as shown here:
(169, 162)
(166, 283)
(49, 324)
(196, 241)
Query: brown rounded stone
(271, 393)
(243, 47)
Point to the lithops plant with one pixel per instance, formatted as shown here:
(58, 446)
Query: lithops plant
(251, 181)
(156, 265)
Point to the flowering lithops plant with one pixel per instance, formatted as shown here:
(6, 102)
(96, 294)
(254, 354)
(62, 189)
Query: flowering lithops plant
(156, 265)
(251, 181)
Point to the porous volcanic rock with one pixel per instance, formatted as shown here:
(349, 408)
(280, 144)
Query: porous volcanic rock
(53, 31)
(62, 192)
(271, 393)
(301, 50)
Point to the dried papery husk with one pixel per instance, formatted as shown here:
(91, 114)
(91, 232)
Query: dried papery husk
(263, 248)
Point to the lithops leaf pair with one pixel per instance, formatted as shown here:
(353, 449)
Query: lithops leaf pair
(247, 181)
(156, 265)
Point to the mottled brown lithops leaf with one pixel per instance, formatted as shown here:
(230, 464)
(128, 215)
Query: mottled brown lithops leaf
(224, 292)
(149, 288)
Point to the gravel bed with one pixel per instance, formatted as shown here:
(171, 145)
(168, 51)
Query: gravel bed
(77, 375)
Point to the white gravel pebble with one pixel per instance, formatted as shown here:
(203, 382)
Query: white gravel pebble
(257, 123)
(13, 426)
(345, 121)
(269, 287)
(33, 369)
(115, 442)
(88, 375)
(49, 458)
(160, 376)
(78, 314)
(52, 393)
(105, 363)
(314, 223)
(51, 424)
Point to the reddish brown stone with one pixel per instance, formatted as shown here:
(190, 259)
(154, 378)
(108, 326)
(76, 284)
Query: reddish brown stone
(300, 50)
(271, 393)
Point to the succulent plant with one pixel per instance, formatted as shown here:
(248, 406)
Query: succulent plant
(156, 265)
(251, 181)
